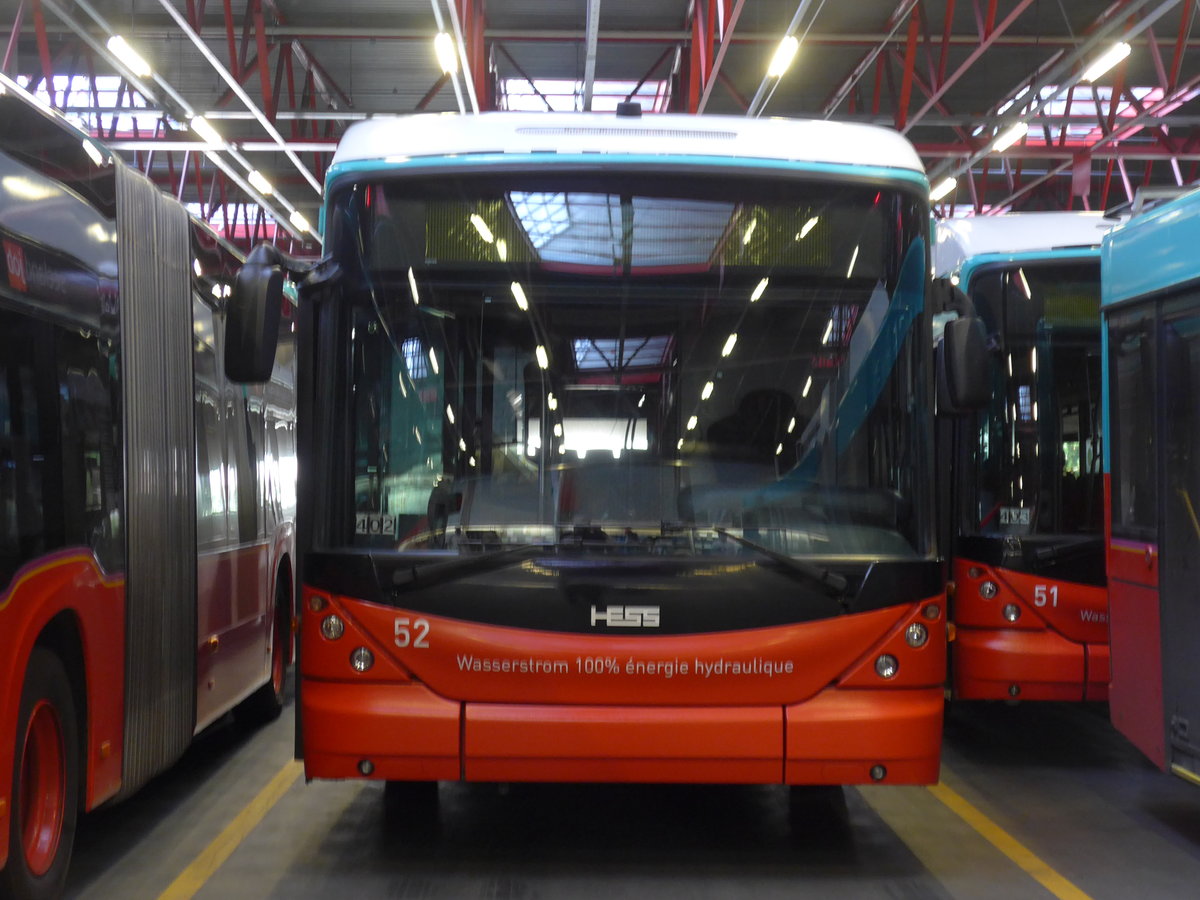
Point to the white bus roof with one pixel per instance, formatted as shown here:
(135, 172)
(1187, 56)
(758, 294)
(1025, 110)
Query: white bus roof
(387, 138)
(961, 239)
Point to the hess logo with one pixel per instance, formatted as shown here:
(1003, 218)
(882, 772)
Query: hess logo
(626, 616)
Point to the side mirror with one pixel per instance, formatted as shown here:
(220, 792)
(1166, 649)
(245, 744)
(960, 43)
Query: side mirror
(962, 367)
(252, 317)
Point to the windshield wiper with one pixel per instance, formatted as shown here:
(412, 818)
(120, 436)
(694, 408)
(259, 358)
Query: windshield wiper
(416, 577)
(830, 583)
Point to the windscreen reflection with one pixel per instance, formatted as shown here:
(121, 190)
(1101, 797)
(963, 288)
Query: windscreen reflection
(632, 362)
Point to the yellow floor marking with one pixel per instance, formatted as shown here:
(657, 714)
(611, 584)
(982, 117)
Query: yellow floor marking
(1007, 844)
(194, 877)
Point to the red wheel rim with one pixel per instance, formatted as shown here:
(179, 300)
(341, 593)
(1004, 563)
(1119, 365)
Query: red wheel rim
(43, 788)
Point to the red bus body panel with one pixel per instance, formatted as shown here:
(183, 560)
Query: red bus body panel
(1056, 650)
(1136, 696)
(795, 703)
(70, 582)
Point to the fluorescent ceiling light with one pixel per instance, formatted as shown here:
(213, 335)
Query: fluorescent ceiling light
(412, 287)
(707, 391)
(784, 54)
(518, 293)
(443, 46)
(482, 227)
(692, 423)
(807, 387)
(758, 290)
(542, 358)
(749, 231)
(1106, 61)
(808, 226)
(1007, 138)
(301, 223)
(260, 183)
(93, 154)
(135, 62)
(204, 128)
(729, 343)
(943, 188)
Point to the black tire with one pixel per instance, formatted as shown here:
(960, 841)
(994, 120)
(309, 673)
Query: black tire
(45, 784)
(266, 703)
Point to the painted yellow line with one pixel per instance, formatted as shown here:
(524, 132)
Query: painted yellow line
(1007, 844)
(194, 877)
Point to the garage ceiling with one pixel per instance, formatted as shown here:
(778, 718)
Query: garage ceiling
(282, 79)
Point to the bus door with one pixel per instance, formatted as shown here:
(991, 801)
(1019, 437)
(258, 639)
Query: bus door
(1179, 571)
(1135, 695)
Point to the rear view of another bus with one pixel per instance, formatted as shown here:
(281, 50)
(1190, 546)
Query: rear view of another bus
(1151, 305)
(1024, 508)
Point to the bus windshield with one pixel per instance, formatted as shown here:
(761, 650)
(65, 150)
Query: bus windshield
(633, 361)
(1038, 443)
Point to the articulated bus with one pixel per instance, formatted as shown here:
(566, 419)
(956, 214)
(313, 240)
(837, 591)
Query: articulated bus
(1151, 306)
(616, 454)
(1023, 513)
(146, 503)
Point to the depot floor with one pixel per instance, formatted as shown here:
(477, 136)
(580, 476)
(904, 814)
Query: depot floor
(1035, 801)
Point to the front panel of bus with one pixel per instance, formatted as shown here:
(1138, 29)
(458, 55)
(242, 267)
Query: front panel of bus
(1030, 608)
(619, 472)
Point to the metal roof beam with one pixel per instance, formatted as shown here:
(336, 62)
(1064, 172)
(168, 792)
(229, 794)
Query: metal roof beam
(589, 61)
(984, 45)
(710, 80)
(266, 123)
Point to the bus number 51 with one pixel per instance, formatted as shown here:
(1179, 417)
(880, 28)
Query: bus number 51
(1044, 592)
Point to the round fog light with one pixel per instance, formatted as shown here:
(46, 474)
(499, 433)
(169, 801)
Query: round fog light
(1011, 612)
(988, 590)
(362, 659)
(886, 666)
(365, 767)
(915, 635)
(332, 627)
(878, 773)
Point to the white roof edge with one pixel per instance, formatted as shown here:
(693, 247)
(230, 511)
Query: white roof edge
(958, 240)
(802, 140)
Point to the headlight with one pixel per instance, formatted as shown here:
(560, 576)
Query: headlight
(362, 659)
(1011, 612)
(332, 627)
(988, 590)
(886, 666)
(916, 634)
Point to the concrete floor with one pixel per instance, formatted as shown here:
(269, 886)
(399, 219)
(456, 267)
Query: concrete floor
(1059, 805)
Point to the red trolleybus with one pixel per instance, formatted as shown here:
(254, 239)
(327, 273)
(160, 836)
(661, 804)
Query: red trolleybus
(615, 455)
(145, 501)
(1151, 296)
(1024, 514)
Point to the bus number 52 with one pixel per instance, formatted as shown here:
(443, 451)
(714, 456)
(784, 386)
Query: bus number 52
(417, 636)
(1044, 592)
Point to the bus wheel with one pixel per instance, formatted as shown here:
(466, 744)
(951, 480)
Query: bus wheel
(45, 784)
(265, 704)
